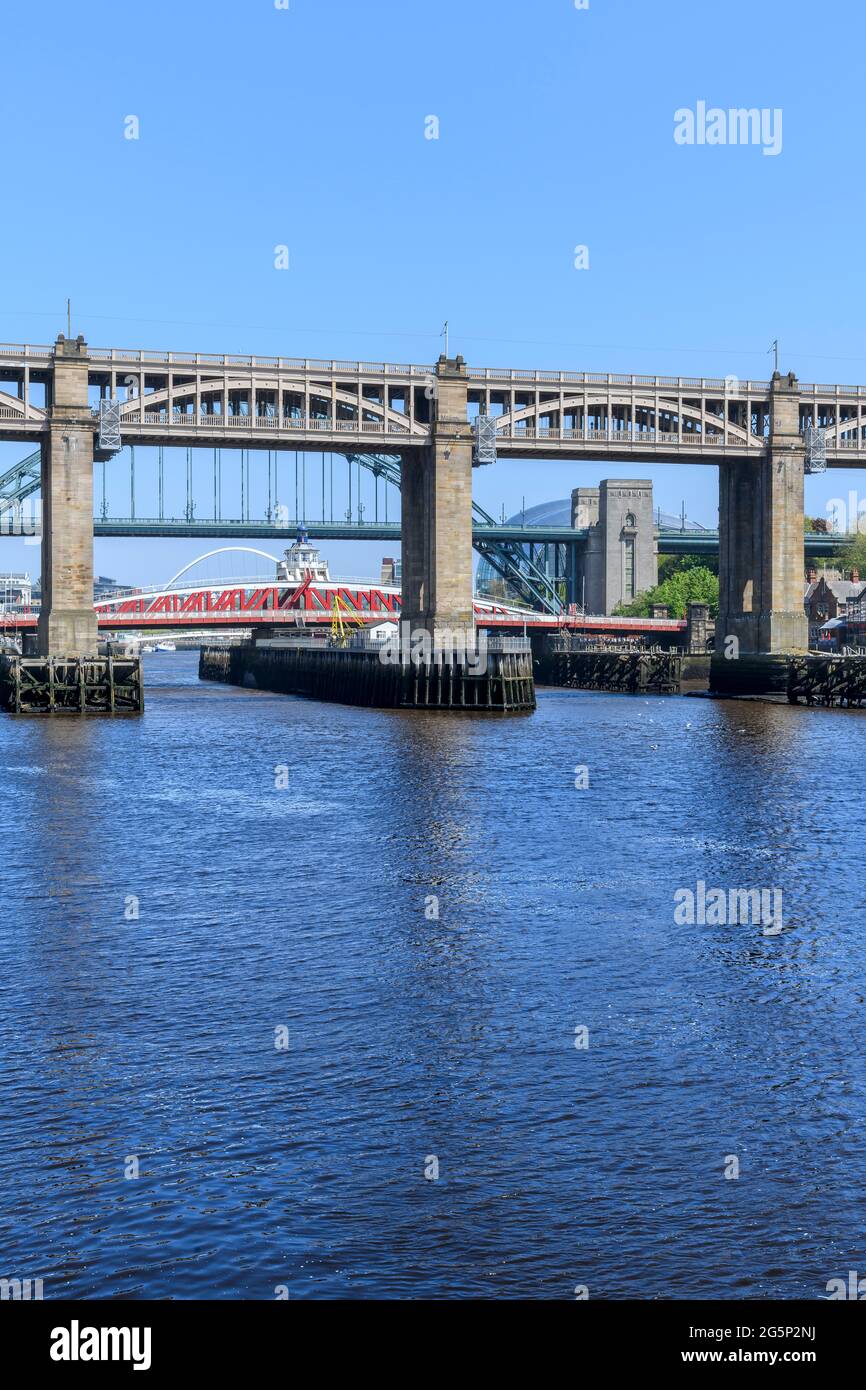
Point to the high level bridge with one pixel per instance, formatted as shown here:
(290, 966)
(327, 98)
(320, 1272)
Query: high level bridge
(80, 404)
(301, 403)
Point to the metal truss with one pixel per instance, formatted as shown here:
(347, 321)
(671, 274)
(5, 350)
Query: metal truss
(20, 482)
(485, 440)
(511, 559)
(109, 425)
(816, 450)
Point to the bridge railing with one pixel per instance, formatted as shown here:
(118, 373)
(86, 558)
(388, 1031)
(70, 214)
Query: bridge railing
(24, 350)
(565, 621)
(296, 364)
(722, 386)
(274, 423)
(824, 390)
(716, 386)
(502, 642)
(226, 359)
(613, 436)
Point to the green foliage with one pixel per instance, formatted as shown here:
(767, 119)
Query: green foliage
(695, 584)
(853, 556)
(673, 564)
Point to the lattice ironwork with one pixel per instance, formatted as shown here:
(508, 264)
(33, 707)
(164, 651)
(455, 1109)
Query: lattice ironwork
(109, 425)
(485, 440)
(20, 482)
(816, 450)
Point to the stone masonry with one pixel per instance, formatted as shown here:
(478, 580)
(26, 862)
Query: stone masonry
(67, 622)
(761, 557)
(620, 558)
(437, 514)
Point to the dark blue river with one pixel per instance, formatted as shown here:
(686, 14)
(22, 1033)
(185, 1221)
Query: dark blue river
(286, 1041)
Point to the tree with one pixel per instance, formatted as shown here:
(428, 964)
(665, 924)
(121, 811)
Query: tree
(693, 585)
(672, 564)
(853, 557)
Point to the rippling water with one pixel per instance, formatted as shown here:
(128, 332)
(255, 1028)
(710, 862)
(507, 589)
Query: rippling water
(309, 907)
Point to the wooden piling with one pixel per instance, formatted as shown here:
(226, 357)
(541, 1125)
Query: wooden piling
(75, 685)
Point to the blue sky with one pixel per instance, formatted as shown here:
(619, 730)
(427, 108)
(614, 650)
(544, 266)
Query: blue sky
(262, 126)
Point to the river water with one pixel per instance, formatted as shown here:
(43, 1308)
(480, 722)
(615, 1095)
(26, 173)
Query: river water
(267, 965)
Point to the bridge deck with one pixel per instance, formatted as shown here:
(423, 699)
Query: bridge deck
(233, 400)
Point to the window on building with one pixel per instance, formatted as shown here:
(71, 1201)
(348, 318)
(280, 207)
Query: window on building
(629, 569)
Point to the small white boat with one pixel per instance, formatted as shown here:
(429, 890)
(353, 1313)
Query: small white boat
(148, 651)
(165, 647)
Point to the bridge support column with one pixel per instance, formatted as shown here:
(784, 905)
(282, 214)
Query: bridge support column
(67, 622)
(740, 538)
(761, 550)
(436, 516)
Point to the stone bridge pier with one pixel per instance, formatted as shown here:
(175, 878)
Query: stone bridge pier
(67, 622)
(436, 515)
(761, 555)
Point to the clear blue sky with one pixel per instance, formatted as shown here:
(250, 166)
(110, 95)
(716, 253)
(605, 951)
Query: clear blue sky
(305, 126)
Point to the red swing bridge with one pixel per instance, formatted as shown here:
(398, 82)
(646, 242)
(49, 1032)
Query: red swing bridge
(301, 593)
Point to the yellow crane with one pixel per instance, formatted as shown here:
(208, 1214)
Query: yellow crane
(340, 624)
